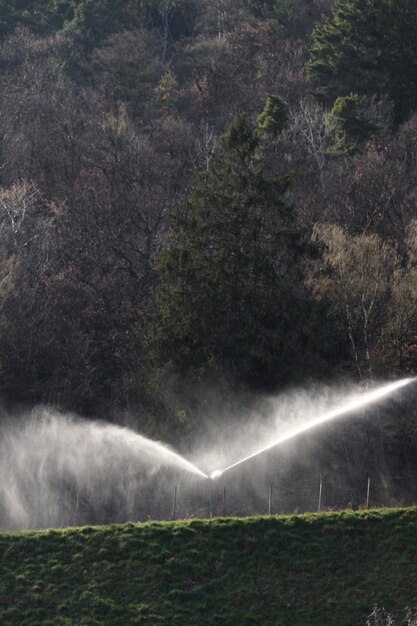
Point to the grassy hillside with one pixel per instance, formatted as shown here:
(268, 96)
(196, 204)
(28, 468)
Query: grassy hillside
(294, 571)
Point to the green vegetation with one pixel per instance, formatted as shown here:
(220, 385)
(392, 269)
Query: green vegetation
(274, 117)
(315, 569)
(368, 47)
(230, 269)
(350, 129)
(94, 19)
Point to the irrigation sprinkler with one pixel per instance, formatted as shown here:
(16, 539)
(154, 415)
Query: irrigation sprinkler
(71, 493)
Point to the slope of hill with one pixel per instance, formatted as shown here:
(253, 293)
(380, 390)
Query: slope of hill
(300, 570)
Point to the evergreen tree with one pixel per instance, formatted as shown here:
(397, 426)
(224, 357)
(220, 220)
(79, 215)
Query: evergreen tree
(368, 47)
(227, 302)
(40, 16)
(100, 18)
(274, 117)
(350, 128)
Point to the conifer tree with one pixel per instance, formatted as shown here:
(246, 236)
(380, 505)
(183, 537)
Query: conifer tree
(274, 117)
(350, 128)
(368, 47)
(226, 298)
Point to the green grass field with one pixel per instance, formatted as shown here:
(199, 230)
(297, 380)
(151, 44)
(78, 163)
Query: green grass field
(300, 570)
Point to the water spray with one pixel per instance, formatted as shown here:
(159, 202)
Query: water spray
(58, 470)
(55, 466)
(350, 406)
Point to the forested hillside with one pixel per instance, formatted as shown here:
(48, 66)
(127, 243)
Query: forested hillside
(205, 195)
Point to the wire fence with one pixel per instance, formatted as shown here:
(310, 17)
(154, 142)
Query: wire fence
(236, 496)
(224, 499)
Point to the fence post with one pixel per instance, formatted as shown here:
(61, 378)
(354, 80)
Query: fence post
(174, 508)
(77, 502)
(224, 501)
(210, 501)
(368, 492)
(270, 499)
(320, 493)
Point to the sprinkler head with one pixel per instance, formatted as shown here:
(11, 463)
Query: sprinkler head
(215, 474)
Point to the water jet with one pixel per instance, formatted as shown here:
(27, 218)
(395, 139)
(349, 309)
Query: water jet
(358, 402)
(58, 470)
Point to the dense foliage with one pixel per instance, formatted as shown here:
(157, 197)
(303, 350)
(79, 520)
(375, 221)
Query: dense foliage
(368, 47)
(231, 269)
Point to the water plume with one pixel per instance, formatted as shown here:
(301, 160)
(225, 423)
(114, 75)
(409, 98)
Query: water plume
(58, 470)
(351, 405)
(53, 465)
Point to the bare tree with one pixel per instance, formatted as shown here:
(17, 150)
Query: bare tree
(36, 94)
(355, 276)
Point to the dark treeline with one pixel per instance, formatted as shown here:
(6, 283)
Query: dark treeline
(204, 195)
